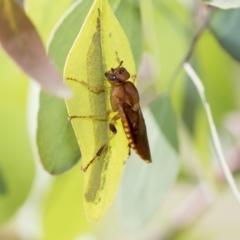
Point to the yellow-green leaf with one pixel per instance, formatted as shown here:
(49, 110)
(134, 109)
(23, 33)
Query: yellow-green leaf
(99, 46)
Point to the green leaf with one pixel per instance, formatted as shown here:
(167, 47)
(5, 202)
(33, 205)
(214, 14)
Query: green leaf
(225, 27)
(114, 3)
(215, 138)
(3, 184)
(45, 14)
(17, 168)
(163, 112)
(66, 31)
(57, 145)
(98, 48)
(190, 106)
(129, 16)
(220, 91)
(168, 21)
(217, 80)
(144, 186)
(225, 4)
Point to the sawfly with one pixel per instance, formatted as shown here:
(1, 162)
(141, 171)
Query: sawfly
(124, 99)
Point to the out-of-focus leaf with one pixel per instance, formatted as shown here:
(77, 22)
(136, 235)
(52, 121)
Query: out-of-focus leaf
(225, 27)
(216, 142)
(58, 154)
(225, 4)
(114, 4)
(129, 16)
(57, 146)
(95, 51)
(220, 92)
(163, 112)
(64, 216)
(223, 213)
(170, 21)
(21, 41)
(45, 14)
(3, 185)
(16, 160)
(144, 186)
(151, 43)
(190, 106)
(66, 31)
(217, 80)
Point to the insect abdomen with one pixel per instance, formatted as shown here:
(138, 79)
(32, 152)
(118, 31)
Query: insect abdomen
(134, 145)
(129, 135)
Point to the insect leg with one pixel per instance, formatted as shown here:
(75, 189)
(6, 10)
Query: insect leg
(134, 78)
(92, 88)
(99, 152)
(129, 150)
(100, 117)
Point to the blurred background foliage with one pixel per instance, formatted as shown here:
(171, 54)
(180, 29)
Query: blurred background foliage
(35, 205)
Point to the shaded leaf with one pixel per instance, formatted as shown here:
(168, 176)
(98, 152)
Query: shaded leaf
(44, 14)
(97, 48)
(114, 4)
(168, 21)
(225, 27)
(225, 4)
(66, 31)
(57, 147)
(129, 16)
(214, 135)
(163, 112)
(220, 89)
(3, 184)
(21, 41)
(190, 106)
(144, 186)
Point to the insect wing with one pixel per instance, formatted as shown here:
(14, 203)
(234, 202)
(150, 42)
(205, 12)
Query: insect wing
(138, 131)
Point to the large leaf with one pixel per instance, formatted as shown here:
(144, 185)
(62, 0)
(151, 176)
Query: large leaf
(57, 147)
(21, 41)
(96, 50)
(3, 185)
(225, 27)
(144, 186)
(225, 4)
(214, 135)
(57, 143)
(166, 17)
(220, 92)
(129, 15)
(44, 14)
(219, 87)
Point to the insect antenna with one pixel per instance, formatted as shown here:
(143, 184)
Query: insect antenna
(120, 64)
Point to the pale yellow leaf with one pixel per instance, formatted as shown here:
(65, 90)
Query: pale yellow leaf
(100, 45)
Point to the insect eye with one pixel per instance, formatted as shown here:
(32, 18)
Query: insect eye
(112, 77)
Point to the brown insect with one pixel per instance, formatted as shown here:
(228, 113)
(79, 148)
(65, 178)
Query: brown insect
(124, 100)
